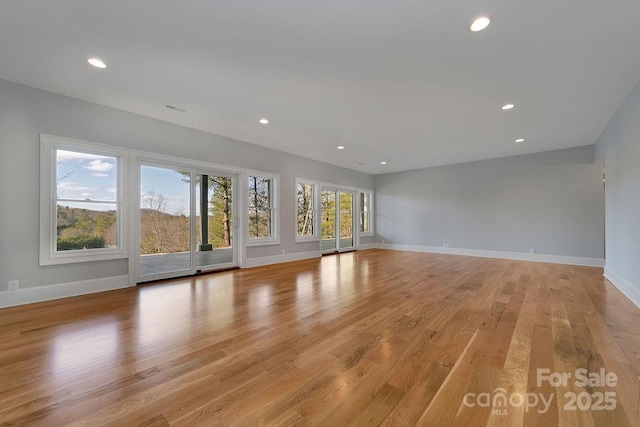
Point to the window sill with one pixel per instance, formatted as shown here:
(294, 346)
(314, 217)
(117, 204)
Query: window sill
(77, 258)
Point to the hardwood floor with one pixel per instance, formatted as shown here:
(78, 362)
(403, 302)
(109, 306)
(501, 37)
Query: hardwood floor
(367, 338)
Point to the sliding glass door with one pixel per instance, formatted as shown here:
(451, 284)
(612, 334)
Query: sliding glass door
(165, 222)
(338, 225)
(346, 223)
(214, 221)
(185, 221)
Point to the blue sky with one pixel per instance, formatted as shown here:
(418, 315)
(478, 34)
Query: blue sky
(169, 184)
(84, 176)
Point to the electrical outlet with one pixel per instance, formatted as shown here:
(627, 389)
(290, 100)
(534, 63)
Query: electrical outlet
(532, 251)
(13, 285)
(283, 251)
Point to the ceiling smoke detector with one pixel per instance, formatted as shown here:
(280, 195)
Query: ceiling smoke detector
(174, 108)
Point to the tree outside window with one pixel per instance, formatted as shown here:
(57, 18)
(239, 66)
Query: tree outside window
(365, 213)
(260, 207)
(305, 208)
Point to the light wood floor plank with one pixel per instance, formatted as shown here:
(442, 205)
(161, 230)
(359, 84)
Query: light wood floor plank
(366, 338)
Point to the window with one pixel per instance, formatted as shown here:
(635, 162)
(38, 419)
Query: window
(81, 213)
(306, 228)
(366, 226)
(261, 209)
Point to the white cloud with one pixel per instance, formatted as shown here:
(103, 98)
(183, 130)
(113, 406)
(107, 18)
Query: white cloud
(86, 194)
(74, 155)
(72, 186)
(100, 174)
(111, 190)
(99, 166)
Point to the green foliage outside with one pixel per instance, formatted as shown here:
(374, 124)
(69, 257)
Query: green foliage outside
(346, 214)
(80, 242)
(259, 207)
(220, 209)
(85, 228)
(169, 232)
(328, 215)
(328, 200)
(305, 209)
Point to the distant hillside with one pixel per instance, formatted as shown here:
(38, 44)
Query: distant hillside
(79, 228)
(160, 232)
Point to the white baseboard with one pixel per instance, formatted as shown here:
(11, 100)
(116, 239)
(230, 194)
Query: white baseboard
(365, 246)
(554, 259)
(65, 290)
(277, 259)
(62, 290)
(630, 291)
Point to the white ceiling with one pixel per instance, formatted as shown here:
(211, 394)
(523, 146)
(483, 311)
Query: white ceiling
(401, 81)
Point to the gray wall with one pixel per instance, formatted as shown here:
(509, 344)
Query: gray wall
(619, 147)
(551, 202)
(26, 112)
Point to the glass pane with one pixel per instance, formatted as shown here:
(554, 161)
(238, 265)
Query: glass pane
(259, 223)
(346, 220)
(83, 226)
(328, 199)
(305, 210)
(83, 176)
(259, 192)
(259, 207)
(165, 239)
(214, 220)
(364, 212)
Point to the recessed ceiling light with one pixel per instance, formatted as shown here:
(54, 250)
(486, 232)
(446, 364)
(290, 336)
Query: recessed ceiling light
(340, 147)
(264, 121)
(98, 63)
(520, 140)
(508, 106)
(383, 163)
(480, 24)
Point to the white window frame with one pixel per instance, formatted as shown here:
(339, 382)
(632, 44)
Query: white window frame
(370, 232)
(275, 216)
(316, 222)
(320, 186)
(145, 157)
(355, 209)
(49, 255)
